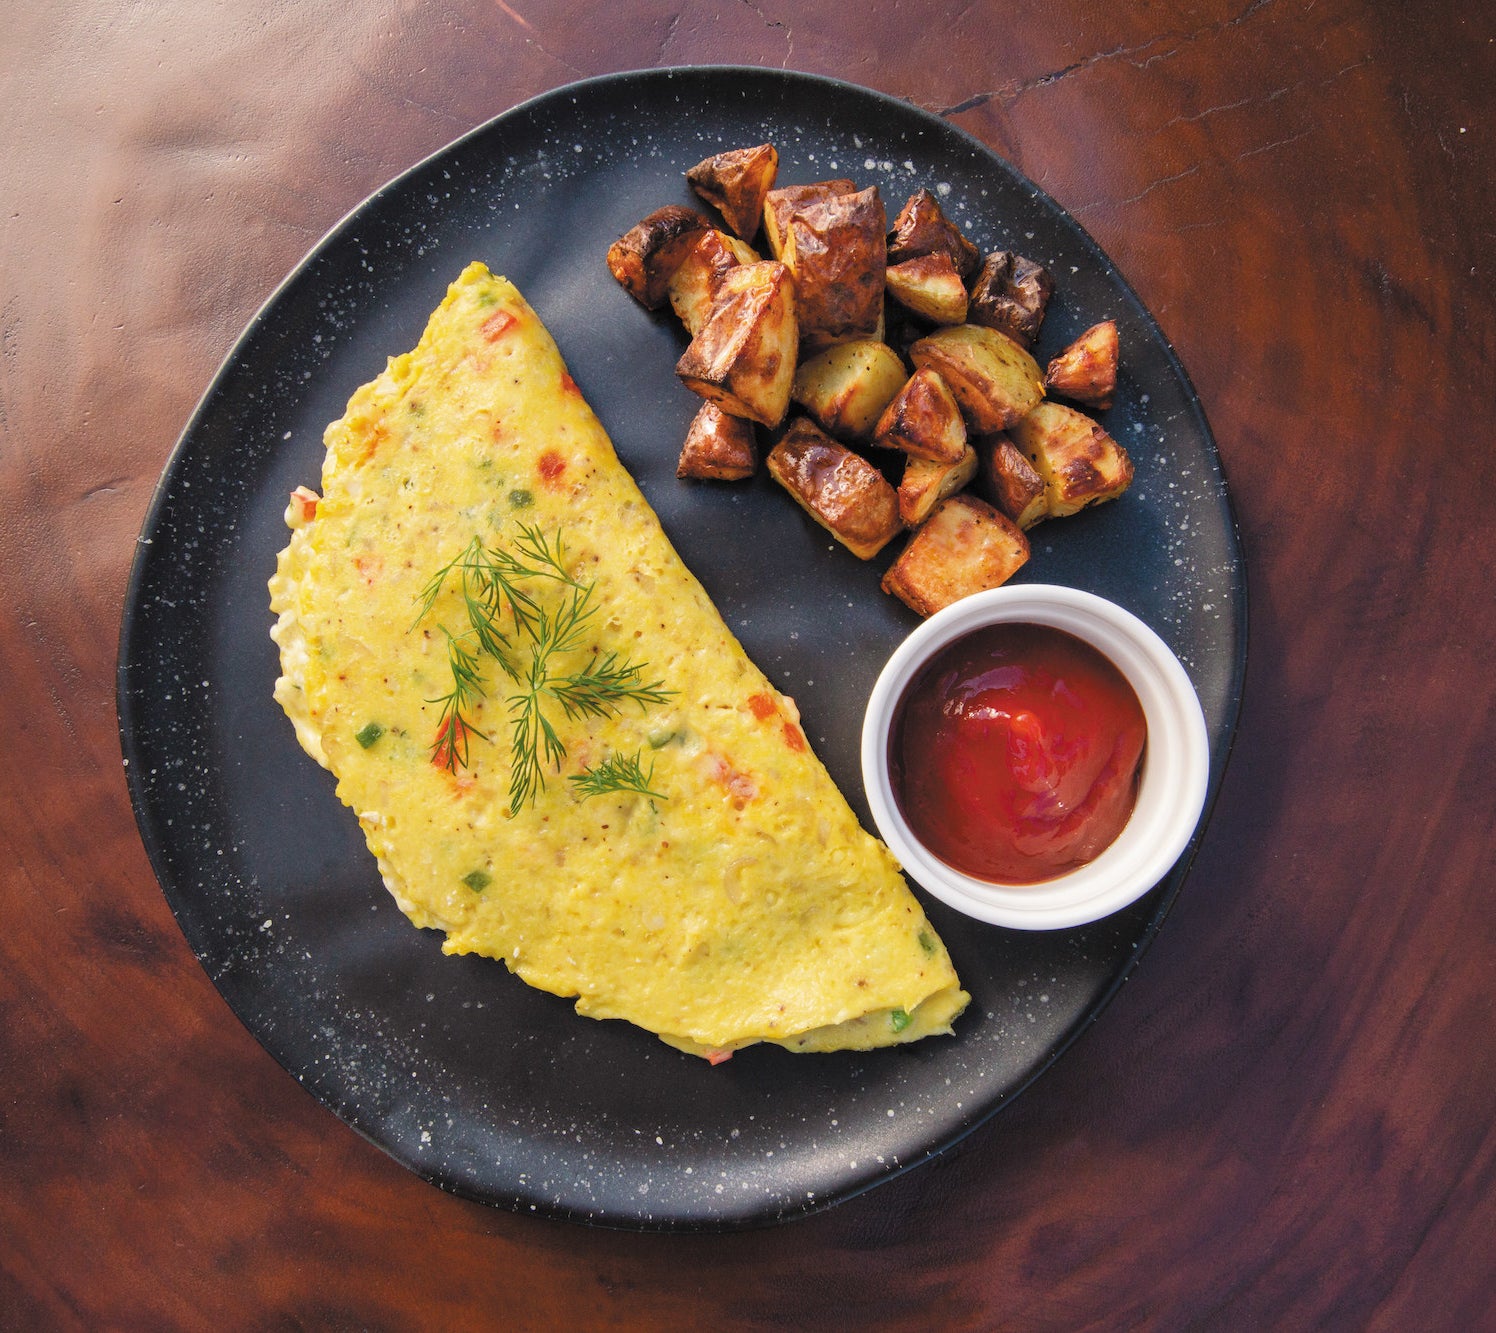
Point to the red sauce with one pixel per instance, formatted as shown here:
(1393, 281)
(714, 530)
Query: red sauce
(1015, 753)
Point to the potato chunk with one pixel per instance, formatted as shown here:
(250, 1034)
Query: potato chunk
(841, 490)
(693, 286)
(1079, 462)
(718, 447)
(922, 228)
(736, 183)
(781, 202)
(846, 387)
(644, 257)
(923, 420)
(1010, 294)
(837, 250)
(744, 357)
(930, 286)
(995, 381)
(1008, 480)
(1087, 370)
(925, 484)
(965, 546)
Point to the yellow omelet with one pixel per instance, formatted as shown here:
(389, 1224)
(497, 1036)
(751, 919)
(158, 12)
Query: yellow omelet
(559, 754)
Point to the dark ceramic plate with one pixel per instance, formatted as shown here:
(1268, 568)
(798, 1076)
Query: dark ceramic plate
(468, 1077)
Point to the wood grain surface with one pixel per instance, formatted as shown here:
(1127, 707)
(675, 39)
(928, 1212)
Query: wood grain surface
(1285, 1118)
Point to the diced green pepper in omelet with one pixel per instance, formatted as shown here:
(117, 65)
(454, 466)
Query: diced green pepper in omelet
(715, 887)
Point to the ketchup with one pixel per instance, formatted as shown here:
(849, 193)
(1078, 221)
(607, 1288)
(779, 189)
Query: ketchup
(1015, 753)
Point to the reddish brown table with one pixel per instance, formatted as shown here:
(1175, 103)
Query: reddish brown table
(1284, 1118)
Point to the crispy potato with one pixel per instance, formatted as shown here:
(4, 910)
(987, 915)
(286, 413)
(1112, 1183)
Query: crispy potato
(1010, 295)
(965, 546)
(693, 286)
(925, 484)
(644, 257)
(1087, 370)
(1007, 479)
(718, 447)
(781, 202)
(991, 376)
(744, 357)
(922, 228)
(841, 490)
(846, 387)
(837, 250)
(923, 420)
(735, 183)
(930, 286)
(1079, 462)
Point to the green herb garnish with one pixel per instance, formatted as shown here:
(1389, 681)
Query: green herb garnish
(898, 1019)
(927, 943)
(620, 773)
(524, 630)
(477, 880)
(520, 499)
(367, 734)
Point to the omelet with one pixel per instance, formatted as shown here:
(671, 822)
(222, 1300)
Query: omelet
(559, 754)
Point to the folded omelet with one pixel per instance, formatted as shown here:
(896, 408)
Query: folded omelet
(559, 754)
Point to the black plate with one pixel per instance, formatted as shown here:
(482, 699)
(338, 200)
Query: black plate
(470, 1078)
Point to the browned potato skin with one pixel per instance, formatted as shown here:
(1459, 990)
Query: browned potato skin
(964, 547)
(744, 357)
(841, 490)
(922, 228)
(846, 387)
(1080, 463)
(736, 183)
(923, 420)
(1010, 294)
(1087, 370)
(1007, 479)
(698, 277)
(644, 257)
(925, 484)
(781, 202)
(837, 250)
(995, 380)
(930, 286)
(718, 447)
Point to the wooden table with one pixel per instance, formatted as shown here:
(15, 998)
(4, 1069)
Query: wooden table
(1284, 1119)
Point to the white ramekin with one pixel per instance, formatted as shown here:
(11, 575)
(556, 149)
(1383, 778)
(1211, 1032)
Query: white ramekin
(1171, 793)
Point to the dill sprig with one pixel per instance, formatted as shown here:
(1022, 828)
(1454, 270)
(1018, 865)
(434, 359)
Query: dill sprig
(450, 749)
(490, 580)
(618, 773)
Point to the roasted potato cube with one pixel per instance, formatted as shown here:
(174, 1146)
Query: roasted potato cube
(718, 447)
(991, 376)
(693, 287)
(846, 387)
(925, 484)
(780, 203)
(836, 248)
(644, 257)
(841, 490)
(1087, 370)
(1079, 462)
(1007, 479)
(735, 183)
(965, 546)
(930, 286)
(923, 420)
(1010, 295)
(744, 357)
(922, 228)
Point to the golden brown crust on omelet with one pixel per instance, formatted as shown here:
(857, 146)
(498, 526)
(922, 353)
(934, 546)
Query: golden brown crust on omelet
(746, 903)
